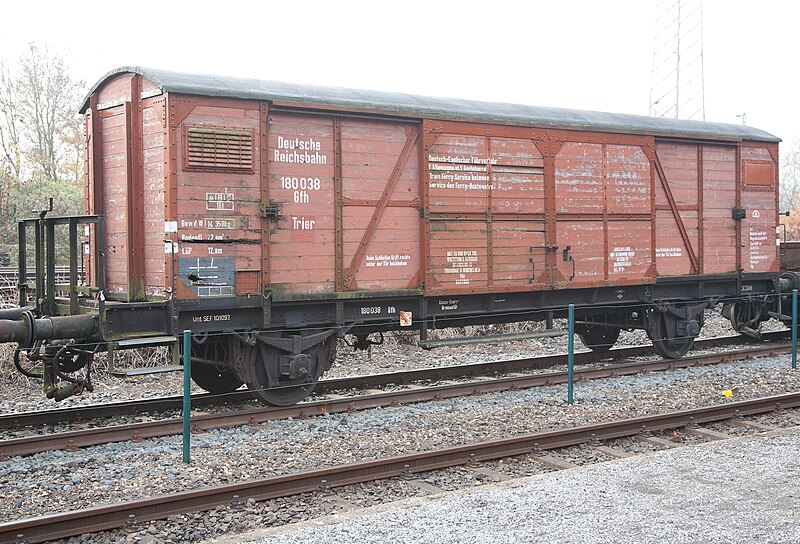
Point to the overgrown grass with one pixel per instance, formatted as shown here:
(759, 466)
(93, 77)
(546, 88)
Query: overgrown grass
(131, 358)
(410, 338)
(159, 356)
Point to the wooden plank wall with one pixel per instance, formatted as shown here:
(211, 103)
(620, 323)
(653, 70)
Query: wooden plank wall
(114, 150)
(351, 204)
(153, 142)
(372, 158)
(219, 215)
(302, 241)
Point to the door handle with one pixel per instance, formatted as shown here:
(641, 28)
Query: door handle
(568, 258)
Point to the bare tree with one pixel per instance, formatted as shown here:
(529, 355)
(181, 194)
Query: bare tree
(10, 149)
(47, 99)
(790, 176)
(41, 139)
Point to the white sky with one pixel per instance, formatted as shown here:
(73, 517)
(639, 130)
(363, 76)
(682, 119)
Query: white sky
(575, 54)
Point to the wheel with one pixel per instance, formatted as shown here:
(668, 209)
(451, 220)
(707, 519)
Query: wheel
(282, 380)
(211, 360)
(598, 338)
(214, 379)
(747, 316)
(662, 330)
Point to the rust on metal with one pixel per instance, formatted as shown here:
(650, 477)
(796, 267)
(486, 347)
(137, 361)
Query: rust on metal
(117, 515)
(339, 203)
(263, 154)
(150, 429)
(700, 220)
(549, 151)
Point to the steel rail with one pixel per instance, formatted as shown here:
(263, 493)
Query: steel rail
(83, 413)
(9, 274)
(137, 431)
(116, 515)
(79, 414)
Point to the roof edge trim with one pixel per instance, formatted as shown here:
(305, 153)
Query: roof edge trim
(144, 72)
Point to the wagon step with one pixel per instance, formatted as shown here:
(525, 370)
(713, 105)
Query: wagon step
(430, 344)
(147, 342)
(150, 341)
(148, 370)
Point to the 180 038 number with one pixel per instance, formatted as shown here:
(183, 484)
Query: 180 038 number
(303, 184)
(372, 310)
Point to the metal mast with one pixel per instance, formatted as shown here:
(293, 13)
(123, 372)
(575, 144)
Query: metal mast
(677, 85)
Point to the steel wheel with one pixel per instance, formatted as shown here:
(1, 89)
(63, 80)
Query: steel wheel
(216, 378)
(665, 339)
(598, 338)
(748, 316)
(266, 381)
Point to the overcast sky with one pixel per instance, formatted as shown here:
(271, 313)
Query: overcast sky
(576, 54)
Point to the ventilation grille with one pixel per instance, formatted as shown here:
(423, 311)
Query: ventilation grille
(219, 149)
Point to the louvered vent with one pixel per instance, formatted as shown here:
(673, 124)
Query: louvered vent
(219, 149)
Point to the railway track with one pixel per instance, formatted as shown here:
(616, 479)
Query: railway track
(80, 414)
(9, 275)
(339, 404)
(117, 515)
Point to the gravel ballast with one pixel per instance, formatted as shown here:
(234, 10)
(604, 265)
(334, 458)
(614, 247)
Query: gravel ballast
(739, 490)
(61, 480)
(19, 394)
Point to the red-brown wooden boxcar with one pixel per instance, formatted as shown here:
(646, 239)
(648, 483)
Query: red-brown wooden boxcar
(269, 218)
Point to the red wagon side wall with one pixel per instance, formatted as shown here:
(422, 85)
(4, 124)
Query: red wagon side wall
(347, 195)
(218, 197)
(126, 143)
(305, 203)
(515, 209)
(154, 137)
(759, 196)
(114, 172)
(715, 215)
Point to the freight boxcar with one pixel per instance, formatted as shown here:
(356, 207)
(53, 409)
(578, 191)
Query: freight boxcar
(270, 219)
(790, 255)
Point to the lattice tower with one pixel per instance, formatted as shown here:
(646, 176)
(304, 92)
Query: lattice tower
(677, 86)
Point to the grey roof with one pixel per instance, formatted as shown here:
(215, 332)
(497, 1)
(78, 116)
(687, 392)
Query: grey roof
(434, 107)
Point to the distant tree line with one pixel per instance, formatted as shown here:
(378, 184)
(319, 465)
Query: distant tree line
(41, 140)
(790, 188)
(42, 145)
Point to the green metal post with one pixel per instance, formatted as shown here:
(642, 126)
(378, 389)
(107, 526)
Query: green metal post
(187, 393)
(570, 352)
(794, 329)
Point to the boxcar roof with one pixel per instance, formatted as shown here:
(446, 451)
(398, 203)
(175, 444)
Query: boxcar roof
(433, 107)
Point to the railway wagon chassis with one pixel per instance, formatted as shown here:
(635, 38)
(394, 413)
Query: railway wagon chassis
(271, 219)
